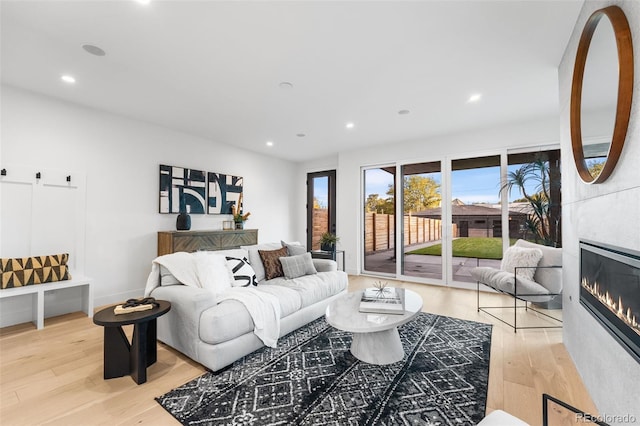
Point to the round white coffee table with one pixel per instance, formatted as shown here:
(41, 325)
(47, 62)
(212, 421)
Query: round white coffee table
(375, 336)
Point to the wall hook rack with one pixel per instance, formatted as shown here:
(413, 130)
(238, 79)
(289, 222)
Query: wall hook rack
(3, 172)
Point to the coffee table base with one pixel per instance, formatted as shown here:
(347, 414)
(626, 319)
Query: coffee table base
(380, 347)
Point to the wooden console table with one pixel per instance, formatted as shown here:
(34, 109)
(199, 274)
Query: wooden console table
(190, 241)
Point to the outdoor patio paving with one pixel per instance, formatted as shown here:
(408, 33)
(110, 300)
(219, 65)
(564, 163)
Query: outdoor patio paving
(425, 266)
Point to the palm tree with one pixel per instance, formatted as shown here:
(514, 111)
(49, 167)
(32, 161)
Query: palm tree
(541, 222)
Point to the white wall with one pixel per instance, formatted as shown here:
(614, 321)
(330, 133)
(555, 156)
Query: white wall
(120, 159)
(542, 132)
(607, 213)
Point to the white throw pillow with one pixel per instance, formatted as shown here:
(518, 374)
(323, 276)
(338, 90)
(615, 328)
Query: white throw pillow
(212, 272)
(297, 266)
(520, 256)
(242, 272)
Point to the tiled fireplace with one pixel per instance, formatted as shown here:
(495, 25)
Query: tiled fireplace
(610, 291)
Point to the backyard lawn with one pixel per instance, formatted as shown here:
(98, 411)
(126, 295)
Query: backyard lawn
(481, 248)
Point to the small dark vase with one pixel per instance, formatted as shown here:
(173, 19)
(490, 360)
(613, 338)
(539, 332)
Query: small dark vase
(183, 222)
(239, 225)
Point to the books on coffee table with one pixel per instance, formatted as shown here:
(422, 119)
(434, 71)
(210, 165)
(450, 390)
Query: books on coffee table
(388, 300)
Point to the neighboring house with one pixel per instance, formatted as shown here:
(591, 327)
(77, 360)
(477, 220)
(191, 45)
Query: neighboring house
(479, 220)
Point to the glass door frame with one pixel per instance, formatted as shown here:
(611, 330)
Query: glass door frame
(331, 202)
(447, 216)
(446, 226)
(363, 229)
(504, 204)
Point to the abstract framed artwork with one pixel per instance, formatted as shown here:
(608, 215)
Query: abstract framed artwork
(182, 188)
(224, 192)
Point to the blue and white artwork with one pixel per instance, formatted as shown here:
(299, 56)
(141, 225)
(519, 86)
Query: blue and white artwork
(224, 192)
(182, 189)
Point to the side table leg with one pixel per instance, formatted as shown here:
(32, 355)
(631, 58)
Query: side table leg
(116, 353)
(139, 352)
(152, 342)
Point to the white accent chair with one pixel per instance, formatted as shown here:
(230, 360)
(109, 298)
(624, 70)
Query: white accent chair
(518, 281)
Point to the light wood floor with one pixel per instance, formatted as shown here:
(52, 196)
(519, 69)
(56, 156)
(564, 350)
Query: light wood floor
(54, 376)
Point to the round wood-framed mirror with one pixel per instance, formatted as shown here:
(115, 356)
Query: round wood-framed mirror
(606, 151)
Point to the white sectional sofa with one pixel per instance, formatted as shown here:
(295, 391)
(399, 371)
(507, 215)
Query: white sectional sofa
(214, 330)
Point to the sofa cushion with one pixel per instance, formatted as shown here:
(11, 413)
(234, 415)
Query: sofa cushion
(298, 266)
(230, 319)
(242, 272)
(521, 257)
(325, 265)
(313, 288)
(254, 257)
(271, 261)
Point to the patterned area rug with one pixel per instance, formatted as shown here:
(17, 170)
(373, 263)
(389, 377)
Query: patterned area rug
(312, 378)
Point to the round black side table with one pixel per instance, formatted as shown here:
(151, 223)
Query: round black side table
(120, 356)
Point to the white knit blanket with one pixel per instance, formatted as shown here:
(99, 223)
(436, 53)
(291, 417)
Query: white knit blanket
(264, 309)
(180, 264)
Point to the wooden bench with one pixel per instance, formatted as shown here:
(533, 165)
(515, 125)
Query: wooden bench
(37, 292)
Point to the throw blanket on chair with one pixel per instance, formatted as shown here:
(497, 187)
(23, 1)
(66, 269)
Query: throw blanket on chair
(264, 309)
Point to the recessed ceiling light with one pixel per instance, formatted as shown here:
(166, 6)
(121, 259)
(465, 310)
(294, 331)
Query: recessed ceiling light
(350, 125)
(285, 85)
(404, 112)
(300, 135)
(145, 2)
(269, 143)
(94, 50)
(68, 79)
(474, 98)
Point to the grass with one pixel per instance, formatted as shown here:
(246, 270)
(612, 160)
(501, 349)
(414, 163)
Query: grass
(477, 247)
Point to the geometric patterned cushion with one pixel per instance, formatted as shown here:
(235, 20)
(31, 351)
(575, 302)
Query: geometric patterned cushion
(23, 271)
(243, 273)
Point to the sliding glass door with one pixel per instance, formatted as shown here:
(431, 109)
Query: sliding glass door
(456, 214)
(379, 220)
(422, 220)
(476, 215)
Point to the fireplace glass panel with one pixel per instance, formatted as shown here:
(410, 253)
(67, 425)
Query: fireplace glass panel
(610, 290)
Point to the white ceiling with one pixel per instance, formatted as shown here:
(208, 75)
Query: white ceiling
(213, 69)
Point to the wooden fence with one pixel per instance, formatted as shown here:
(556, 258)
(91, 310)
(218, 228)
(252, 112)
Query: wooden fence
(379, 230)
(320, 226)
(380, 235)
